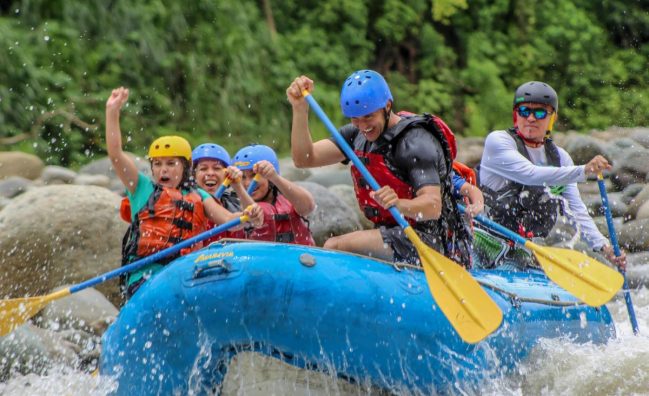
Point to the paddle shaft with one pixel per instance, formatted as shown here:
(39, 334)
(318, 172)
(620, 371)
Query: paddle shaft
(253, 185)
(616, 249)
(506, 232)
(226, 183)
(158, 255)
(342, 144)
(219, 193)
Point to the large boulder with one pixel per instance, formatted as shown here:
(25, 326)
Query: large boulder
(14, 186)
(20, 164)
(332, 215)
(632, 167)
(346, 194)
(29, 349)
(633, 235)
(56, 235)
(637, 201)
(331, 177)
(583, 148)
(290, 172)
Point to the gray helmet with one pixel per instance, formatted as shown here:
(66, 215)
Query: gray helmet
(536, 92)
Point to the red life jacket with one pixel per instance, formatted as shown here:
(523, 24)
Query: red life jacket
(167, 219)
(375, 164)
(238, 234)
(281, 224)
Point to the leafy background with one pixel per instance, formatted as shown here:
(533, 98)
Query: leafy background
(218, 70)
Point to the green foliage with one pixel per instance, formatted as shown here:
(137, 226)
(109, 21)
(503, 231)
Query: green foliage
(212, 70)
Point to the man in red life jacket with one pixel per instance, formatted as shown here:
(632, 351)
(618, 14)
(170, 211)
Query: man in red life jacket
(408, 156)
(285, 204)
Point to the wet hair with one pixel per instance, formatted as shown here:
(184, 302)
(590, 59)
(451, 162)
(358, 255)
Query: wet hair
(188, 181)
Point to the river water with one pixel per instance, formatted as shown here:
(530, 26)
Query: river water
(556, 367)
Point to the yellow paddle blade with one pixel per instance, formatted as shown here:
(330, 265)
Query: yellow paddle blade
(586, 278)
(471, 311)
(16, 311)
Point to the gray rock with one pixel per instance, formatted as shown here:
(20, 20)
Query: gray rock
(29, 349)
(631, 191)
(347, 194)
(583, 148)
(623, 178)
(4, 202)
(638, 201)
(20, 164)
(593, 203)
(602, 225)
(332, 216)
(14, 186)
(633, 162)
(616, 203)
(640, 135)
(92, 180)
(637, 272)
(643, 211)
(614, 149)
(562, 232)
(634, 235)
(331, 177)
(58, 235)
(53, 174)
(290, 172)
(469, 152)
(84, 310)
(103, 166)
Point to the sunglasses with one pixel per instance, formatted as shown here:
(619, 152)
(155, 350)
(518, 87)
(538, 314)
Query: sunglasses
(539, 112)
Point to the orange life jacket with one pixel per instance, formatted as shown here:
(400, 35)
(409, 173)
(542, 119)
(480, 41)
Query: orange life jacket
(168, 218)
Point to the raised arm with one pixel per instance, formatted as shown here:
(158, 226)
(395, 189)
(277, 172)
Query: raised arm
(306, 153)
(235, 174)
(125, 167)
(300, 198)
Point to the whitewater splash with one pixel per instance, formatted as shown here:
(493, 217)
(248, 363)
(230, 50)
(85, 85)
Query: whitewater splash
(621, 367)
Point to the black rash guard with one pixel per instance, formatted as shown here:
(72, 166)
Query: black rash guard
(417, 158)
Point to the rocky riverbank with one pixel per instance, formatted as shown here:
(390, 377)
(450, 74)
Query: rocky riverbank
(60, 227)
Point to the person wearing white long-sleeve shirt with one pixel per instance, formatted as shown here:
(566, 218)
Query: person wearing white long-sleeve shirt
(522, 173)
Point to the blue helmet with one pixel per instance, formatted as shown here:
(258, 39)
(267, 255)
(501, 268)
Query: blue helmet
(248, 156)
(211, 151)
(364, 92)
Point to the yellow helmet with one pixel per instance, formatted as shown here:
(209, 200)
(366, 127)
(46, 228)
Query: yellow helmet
(170, 146)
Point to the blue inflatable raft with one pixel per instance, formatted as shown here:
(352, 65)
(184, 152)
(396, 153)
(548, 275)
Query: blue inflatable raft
(356, 318)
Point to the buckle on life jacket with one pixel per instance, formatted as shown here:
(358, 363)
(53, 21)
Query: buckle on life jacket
(282, 217)
(182, 224)
(370, 212)
(184, 205)
(364, 160)
(363, 183)
(175, 240)
(285, 237)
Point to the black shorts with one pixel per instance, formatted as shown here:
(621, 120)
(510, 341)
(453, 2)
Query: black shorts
(403, 249)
